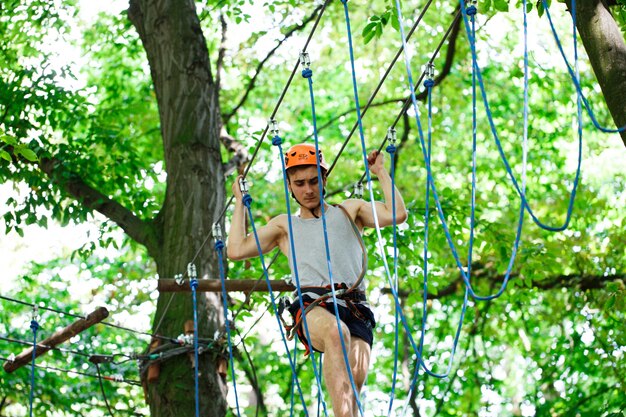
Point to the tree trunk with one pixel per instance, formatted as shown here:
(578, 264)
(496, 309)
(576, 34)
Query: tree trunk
(189, 112)
(606, 49)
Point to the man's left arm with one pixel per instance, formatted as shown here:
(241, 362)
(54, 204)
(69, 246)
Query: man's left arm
(384, 209)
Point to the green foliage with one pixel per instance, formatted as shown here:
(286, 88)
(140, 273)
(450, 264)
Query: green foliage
(553, 351)
(77, 288)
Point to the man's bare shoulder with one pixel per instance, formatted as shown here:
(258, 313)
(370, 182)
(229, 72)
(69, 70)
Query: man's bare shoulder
(352, 206)
(279, 221)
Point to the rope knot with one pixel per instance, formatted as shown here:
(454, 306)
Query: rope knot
(277, 141)
(247, 200)
(429, 83)
(307, 73)
(193, 283)
(471, 10)
(219, 245)
(34, 325)
(391, 149)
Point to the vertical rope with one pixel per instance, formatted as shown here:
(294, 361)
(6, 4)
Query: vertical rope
(277, 141)
(308, 73)
(391, 149)
(247, 201)
(219, 248)
(34, 326)
(194, 286)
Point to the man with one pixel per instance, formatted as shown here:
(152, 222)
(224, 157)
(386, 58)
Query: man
(348, 261)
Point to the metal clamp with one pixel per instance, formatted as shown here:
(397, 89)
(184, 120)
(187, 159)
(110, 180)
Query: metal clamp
(358, 189)
(217, 232)
(273, 127)
(179, 279)
(243, 185)
(391, 136)
(305, 60)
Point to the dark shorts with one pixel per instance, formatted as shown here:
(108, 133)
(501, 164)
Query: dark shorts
(359, 324)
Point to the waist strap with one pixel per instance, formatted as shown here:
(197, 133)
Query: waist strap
(341, 291)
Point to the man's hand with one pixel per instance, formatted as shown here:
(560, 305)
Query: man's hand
(236, 190)
(376, 162)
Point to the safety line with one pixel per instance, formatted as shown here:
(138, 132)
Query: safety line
(434, 189)
(520, 191)
(67, 371)
(104, 395)
(219, 247)
(77, 316)
(33, 326)
(196, 369)
(59, 349)
(391, 149)
(574, 72)
(307, 73)
(247, 200)
(277, 141)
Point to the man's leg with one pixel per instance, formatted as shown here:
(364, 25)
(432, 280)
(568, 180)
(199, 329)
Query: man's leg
(359, 362)
(325, 338)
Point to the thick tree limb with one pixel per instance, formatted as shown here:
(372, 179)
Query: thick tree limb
(579, 281)
(141, 231)
(262, 63)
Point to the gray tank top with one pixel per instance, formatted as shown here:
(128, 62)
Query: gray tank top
(346, 255)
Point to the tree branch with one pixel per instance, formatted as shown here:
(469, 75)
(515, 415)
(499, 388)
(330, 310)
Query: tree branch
(241, 155)
(579, 281)
(226, 117)
(352, 110)
(222, 51)
(143, 232)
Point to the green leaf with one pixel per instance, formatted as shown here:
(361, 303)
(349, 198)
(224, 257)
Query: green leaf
(370, 33)
(5, 155)
(610, 302)
(27, 153)
(501, 5)
(540, 9)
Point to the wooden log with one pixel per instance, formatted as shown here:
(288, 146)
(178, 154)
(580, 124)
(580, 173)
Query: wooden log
(213, 285)
(57, 338)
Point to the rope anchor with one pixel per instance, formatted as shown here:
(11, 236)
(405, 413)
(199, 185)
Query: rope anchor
(358, 189)
(305, 60)
(273, 125)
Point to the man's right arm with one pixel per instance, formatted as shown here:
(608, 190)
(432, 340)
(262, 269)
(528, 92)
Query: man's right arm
(241, 245)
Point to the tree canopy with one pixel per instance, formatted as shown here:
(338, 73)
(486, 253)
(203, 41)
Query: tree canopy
(137, 120)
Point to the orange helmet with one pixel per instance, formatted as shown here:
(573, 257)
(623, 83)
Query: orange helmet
(303, 154)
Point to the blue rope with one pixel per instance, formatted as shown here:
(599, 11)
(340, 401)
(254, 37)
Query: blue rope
(277, 141)
(33, 326)
(320, 397)
(307, 73)
(574, 72)
(519, 190)
(391, 150)
(293, 377)
(219, 247)
(193, 282)
(247, 200)
(434, 189)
